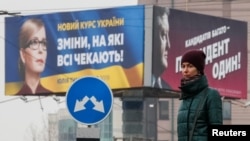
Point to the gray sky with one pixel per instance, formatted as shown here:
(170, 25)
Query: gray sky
(16, 116)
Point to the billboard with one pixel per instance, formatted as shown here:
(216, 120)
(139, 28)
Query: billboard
(224, 42)
(120, 46)
(45, 53)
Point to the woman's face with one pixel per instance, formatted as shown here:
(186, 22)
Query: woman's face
(34, 55)
(188, 70)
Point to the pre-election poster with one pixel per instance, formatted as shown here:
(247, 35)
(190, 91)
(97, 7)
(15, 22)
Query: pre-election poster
(224, 41)
(45, 53)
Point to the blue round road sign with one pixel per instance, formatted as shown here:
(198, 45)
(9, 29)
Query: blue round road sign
(89, 100)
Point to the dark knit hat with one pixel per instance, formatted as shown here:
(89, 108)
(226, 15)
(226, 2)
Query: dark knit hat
(195, 57)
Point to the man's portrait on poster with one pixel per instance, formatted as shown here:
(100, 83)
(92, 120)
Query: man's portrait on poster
(161, 46)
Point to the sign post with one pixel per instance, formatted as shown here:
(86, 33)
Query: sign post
(89, 100)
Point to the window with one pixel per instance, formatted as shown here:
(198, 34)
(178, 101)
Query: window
(226, 107)
(163, 110)
(132, 128)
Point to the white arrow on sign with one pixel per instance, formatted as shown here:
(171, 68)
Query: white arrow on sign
(98, 105)
(80, 104)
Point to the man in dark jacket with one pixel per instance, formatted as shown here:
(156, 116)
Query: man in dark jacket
(201, 105)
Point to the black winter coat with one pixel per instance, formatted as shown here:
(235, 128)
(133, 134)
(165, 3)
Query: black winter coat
(210, 113)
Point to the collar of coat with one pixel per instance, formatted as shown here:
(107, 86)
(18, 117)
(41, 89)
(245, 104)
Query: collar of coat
(193, 87)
